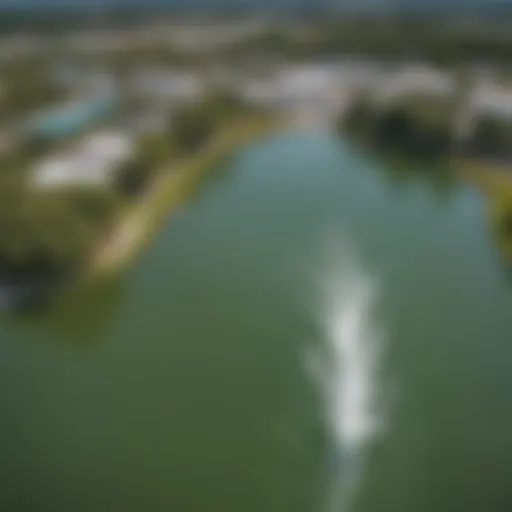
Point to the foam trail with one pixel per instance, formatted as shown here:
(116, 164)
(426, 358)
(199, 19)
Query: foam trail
(349, 375)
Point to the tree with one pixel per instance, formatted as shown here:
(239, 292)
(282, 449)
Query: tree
(194, 124)
(492, 138)
(393, 129)
(359, 118)
(50, 234)
(134, 176)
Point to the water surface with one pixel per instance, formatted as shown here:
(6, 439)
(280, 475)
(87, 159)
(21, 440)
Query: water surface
(309, 332)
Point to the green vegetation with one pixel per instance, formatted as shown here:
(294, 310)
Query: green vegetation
(443, 40)
(414, 128)
(26, 86)
(47, 234)
(194, 124)
(54, 233)
(416, 139)
(170, 188)
(497, 187)
(188, 130)
(153, 151)
(122, 61)
(357, 121)
(491, 139)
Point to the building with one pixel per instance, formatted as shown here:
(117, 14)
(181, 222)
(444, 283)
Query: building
(313, 90)
(494, 100)
(486, 99)
(414, 80)
(92, 162)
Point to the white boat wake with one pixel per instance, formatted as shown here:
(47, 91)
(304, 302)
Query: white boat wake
(349, 370)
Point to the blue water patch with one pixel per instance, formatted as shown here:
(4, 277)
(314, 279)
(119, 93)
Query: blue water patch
(66, 120)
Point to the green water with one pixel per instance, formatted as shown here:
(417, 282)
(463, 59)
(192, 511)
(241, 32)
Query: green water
(308, 333)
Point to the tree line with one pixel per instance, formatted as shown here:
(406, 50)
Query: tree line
(444, 43)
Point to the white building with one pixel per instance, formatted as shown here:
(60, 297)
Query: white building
(486, 98)
(109, 146)
(414, 80)
(93, 162)
(308, 86)
(495, 100)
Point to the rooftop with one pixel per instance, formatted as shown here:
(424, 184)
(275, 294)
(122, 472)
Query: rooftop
(91, 162)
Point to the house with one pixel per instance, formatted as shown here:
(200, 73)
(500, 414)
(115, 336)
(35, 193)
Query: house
(294, 86)
(487, 99)
(92, 162)
(415, 80)
(491, 99)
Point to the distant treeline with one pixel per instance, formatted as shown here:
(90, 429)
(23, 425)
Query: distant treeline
(440, 41)
(54, 17)
(52, 20)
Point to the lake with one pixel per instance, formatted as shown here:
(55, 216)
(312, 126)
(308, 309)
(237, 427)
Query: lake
(309, 332)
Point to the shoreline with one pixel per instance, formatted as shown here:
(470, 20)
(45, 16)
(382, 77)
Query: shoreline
(490, 177)
(168, 189)
(135, 226)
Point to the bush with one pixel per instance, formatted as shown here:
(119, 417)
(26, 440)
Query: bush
(412, 128)
(358, 120)
(52, 233)
(134, 176)
(492, 138)
(192, 127)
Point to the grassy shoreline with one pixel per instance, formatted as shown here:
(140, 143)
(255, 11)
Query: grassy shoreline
(490, 177)
(169, 188)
